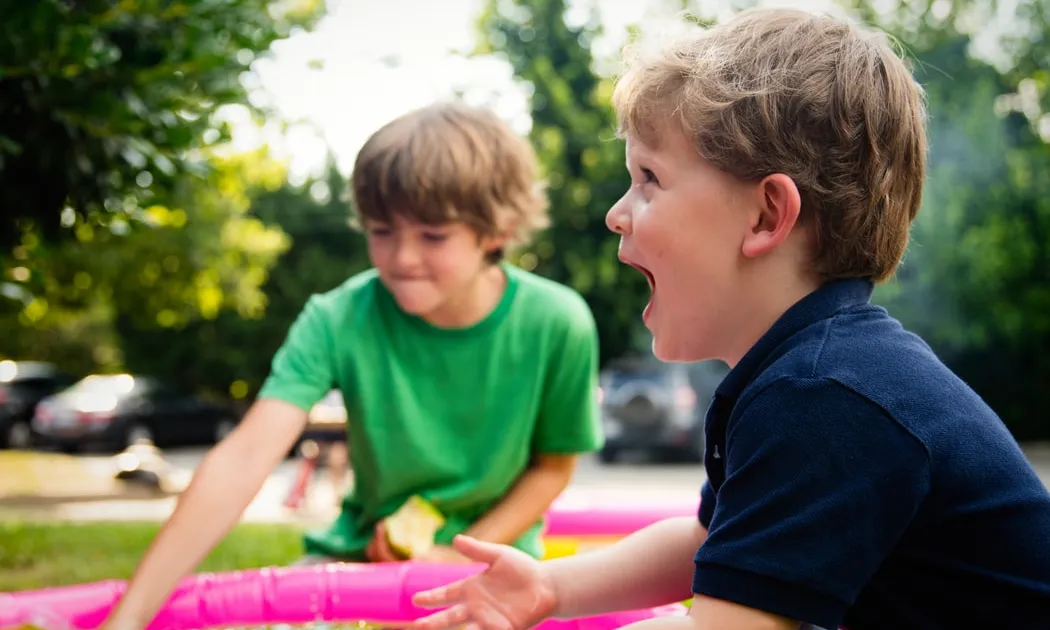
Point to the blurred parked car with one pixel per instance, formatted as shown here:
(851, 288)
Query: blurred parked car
(656, 407)
(23, 384)
(121, 409)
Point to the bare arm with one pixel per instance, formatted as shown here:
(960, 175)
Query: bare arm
(527, 500)
(715, 614)
(652, 567)
(225, 483)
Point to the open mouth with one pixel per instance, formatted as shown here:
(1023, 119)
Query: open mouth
(647, 313)
(645, 272)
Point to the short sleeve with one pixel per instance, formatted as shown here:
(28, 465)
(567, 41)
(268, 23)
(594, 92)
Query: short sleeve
(568, 420)
(707, 504)
(820, 486)
(301, 372)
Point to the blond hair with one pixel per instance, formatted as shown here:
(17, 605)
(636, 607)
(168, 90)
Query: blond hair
(449, 162)
(812, 97)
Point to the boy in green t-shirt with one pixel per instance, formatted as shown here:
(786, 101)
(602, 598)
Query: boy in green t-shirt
(467, 381)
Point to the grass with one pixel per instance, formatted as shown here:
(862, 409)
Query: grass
(42, 554)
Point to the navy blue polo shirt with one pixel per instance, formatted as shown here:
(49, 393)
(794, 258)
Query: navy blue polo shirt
(855, 481)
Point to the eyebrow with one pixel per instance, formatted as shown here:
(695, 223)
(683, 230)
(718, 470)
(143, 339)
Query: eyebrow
(647, 155)
(633, 152)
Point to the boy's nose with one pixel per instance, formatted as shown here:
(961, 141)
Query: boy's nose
(406, 256)
(618, 218)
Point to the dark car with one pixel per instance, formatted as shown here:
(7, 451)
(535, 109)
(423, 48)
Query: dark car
(656, 407)
(118, 410)
(23, 384)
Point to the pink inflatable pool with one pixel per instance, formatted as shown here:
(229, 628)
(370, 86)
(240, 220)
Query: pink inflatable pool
(573, 516)
(378, 593)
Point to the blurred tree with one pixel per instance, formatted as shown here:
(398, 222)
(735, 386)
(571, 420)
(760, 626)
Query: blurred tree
(189, 260)
(325, 250)
(976, 279)
(574, 133)
(105, 103)
(232, 353)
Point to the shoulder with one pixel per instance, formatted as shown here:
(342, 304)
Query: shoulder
(341, 301)
(835, 373)
(819, 414)
(883, 366)
(359, 286)
(851, 346)
(334, 310)
(542, 301)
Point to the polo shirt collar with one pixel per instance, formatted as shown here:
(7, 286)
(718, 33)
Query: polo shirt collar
(828, 299)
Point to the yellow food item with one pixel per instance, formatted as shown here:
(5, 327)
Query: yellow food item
(411, 529)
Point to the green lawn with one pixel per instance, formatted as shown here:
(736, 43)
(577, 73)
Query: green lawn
(42, 554)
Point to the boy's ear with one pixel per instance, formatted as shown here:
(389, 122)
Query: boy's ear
(498, 240)
(494, 243)
(777, 208)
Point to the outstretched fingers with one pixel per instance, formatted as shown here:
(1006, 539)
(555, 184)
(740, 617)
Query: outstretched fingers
(477, 550)
(448, 618)
(440, 596)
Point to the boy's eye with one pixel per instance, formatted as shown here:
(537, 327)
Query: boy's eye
(649, 177)
(434, 237)
(378, 231)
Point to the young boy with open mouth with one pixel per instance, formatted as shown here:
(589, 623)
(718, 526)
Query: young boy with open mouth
(777, 163)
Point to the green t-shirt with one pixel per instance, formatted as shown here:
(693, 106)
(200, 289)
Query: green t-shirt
(453, 415)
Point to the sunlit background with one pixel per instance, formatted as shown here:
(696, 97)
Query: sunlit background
(173, 190)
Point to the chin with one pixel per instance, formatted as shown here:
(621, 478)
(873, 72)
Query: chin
(671, 350)
(419, 306)
(667, 351)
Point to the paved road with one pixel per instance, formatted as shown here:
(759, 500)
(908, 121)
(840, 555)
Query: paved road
(636, 477)
(620, 482)
(638, 481)
(626, 479)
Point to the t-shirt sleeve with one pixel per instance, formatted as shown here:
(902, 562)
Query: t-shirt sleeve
(301, 372)
(820, 486)
(707, 505)
(568, 420)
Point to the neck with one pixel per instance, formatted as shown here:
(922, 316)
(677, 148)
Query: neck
(477, 300)
(763, 308)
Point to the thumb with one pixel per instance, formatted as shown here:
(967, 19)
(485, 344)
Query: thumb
(477, 550)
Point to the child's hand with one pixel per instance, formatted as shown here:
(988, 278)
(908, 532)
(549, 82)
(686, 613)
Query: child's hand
(378, 549)
(513, 593)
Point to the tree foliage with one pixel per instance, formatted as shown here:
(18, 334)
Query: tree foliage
(231, 353)
(574, 134)
(196, 256)
(106, 103)
(976, 279)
